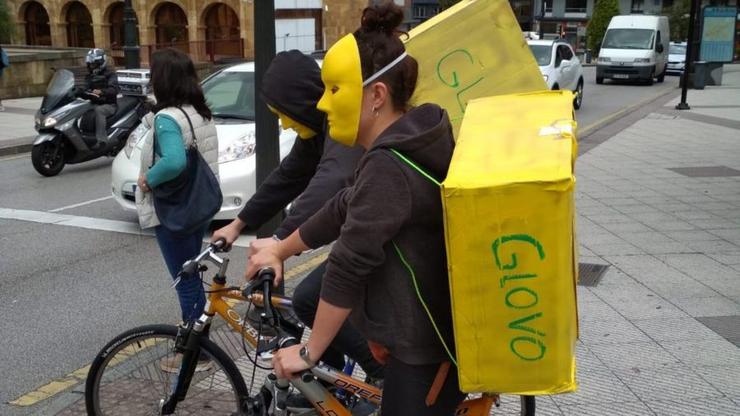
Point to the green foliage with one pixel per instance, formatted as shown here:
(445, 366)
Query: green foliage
(7, 25)
(446, 4)
(678, 19)
(604, 10)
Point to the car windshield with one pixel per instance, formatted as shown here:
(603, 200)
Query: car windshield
(628, 39)
(230, 94)
(677, 50)
(542, 54)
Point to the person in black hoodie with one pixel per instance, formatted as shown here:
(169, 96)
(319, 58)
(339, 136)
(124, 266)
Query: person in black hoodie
(388, 226)
(313, 172)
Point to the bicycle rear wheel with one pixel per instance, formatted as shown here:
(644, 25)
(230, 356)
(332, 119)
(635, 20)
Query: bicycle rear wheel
(126, 378)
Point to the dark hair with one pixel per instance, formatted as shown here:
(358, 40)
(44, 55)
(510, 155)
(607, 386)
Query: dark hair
(175, 82)
(379, 44)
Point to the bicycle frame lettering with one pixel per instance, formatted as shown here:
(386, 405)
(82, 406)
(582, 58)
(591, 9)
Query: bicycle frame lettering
(528, 342)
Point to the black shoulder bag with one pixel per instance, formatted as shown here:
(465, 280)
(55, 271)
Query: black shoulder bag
(189, 201)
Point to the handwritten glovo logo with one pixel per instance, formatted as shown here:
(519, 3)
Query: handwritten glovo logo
(528, 343)
(461, 72)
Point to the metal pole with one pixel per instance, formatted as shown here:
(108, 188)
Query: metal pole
(268, 145)
(130, 37)
(542, 18)
(683, 105)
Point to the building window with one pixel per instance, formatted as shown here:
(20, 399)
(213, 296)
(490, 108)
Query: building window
(79, 26)
(38, 31)
(637, 6)
(420, 12)
(575, 6)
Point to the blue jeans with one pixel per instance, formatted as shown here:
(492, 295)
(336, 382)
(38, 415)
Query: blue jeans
(176, 250)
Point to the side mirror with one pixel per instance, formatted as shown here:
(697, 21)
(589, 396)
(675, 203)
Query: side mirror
(659, 48)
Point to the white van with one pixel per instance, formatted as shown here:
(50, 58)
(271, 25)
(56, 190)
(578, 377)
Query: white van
(634, 47)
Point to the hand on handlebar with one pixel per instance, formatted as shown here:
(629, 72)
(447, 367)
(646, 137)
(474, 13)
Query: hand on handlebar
(229, 233)
(266, 257)
(287, 362)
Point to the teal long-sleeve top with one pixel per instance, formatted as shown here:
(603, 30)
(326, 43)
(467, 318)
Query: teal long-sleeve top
(170, 149)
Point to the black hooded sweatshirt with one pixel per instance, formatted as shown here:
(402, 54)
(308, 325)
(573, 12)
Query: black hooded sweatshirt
(316, 168)
(392, 202)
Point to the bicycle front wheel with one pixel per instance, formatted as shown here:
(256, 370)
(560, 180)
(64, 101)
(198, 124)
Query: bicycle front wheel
(133, 375)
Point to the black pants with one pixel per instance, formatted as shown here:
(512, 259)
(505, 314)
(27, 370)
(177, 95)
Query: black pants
(406, 388)
(348, 340)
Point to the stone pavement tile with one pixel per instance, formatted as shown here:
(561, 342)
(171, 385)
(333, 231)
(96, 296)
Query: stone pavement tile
(684, 288)
(725, 378)
(673, 207)
(653, 217)
(695, 235)
(677, 382)
(646, 268)
(655, 242)
(698, 353)
(620, 228)
(695, 214)
(698, 266)
(610, 219)
(643, 307)
(712, 246)
(711, 406)
(596, 386)
(675, 226)
(676, 329)
(730, 234)
(640, 355)
(610, 332)
(715, 224)
(727, 258)
(658, 200)
(710, 306)
(585, 295)
(620, 202)
(597, 311)
(637, 209)
(607, 409)
(620, 249)
(596, 238)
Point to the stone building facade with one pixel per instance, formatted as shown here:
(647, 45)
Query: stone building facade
(207, 29)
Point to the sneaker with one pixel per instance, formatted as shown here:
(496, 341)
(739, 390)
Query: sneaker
(171, 364)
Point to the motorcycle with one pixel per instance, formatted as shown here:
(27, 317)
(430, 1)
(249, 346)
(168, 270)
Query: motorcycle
(66, 126)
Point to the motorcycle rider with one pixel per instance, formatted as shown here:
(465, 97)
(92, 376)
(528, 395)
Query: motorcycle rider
(101, 88)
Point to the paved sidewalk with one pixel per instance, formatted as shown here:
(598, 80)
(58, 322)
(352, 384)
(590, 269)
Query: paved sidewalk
(17, 132)
(660, 332)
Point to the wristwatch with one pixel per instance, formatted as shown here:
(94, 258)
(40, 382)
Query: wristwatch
(305, 355)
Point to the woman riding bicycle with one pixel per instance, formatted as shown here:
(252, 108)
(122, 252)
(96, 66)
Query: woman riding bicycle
(391, 210)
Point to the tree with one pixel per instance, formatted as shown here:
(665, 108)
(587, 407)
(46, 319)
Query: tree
(678, 17)
(7, 25)
(604, 10)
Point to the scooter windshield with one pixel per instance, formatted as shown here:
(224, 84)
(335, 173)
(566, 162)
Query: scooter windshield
(60, 88)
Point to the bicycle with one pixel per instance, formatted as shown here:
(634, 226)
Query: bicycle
(126, 377)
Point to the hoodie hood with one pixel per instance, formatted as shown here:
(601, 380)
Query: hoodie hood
(292, 85)
(424, 135)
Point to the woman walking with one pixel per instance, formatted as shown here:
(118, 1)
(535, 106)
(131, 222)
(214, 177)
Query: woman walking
(182, 120)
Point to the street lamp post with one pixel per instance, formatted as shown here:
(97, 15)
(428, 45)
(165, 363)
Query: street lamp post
(683, 105)
(130, 37)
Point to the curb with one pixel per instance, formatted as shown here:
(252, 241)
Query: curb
(16, 149)
(597, 125)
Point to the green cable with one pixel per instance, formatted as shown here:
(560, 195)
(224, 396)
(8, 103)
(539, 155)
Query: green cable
(418, 294)
(415, 166)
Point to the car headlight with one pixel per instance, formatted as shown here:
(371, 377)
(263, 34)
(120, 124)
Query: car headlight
(50, 122)
(545, 77)
(642, 60)
(604, 60)
(134, 138)
(238, 149)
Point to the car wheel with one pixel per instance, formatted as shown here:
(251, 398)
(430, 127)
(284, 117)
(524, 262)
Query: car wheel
(578, 99)
(650, 80)
(599, 80)
(661, 78)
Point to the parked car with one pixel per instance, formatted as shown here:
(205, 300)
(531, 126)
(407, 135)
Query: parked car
(560, 67)
(676, 58)
(634, 48)
(230, 94)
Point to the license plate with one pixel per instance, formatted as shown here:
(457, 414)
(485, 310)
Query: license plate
(621, 76)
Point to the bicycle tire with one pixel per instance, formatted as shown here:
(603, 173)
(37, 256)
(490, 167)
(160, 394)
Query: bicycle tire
(126, 378)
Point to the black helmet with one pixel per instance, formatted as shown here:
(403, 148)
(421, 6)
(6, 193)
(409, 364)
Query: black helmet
(95, 60)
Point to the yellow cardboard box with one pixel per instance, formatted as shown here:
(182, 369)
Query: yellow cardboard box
(511, 249)
(471, 50)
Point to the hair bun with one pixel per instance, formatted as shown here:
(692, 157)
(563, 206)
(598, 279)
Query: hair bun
(384, 18)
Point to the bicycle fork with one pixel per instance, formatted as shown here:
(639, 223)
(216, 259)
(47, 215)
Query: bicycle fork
(190, 348)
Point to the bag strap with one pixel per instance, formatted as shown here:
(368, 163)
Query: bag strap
(410, 269)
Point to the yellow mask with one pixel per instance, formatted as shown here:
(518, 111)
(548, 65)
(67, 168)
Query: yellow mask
(288, 123)
(342, 99)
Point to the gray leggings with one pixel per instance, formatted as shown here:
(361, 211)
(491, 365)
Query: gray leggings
(102, 112)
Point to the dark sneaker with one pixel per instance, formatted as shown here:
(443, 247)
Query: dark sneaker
(298, 405)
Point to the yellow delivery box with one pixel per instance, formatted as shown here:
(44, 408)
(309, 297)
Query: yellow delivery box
(471, 50)
(511, 249)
